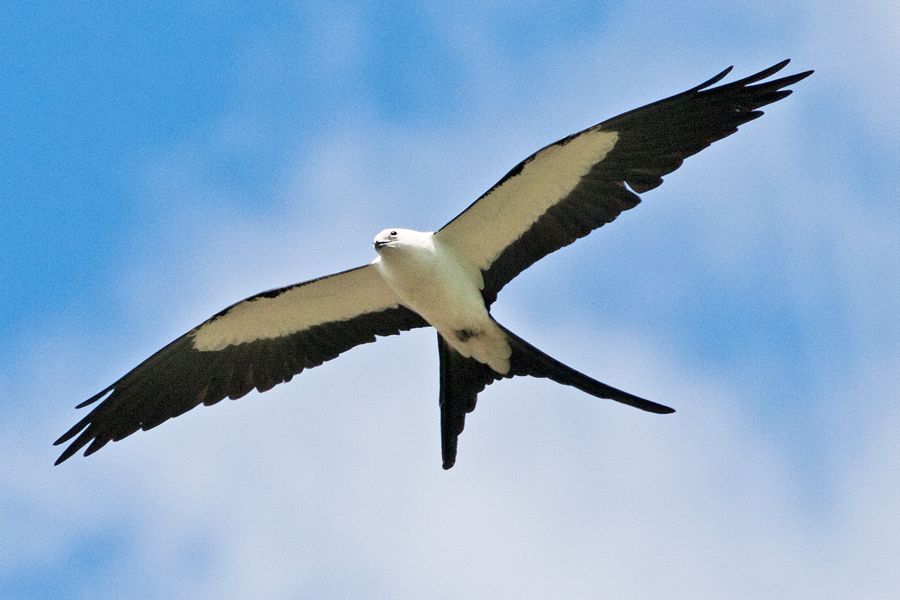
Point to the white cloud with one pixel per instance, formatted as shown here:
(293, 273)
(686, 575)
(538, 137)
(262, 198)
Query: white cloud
(280, 494)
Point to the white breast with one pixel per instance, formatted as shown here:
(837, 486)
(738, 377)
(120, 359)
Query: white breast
(446, 292)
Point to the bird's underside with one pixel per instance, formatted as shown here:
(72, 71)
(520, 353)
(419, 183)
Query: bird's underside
(447, 279)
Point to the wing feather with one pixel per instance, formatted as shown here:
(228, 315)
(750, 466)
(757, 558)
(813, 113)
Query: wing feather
(256, 343)
(571, 187)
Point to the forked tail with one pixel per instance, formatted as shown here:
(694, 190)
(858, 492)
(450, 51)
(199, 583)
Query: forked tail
(528, 360)
(463, 378)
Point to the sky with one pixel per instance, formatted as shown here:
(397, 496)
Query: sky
(163, 161)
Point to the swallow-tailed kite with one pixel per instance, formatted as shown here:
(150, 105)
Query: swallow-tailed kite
(447, 279)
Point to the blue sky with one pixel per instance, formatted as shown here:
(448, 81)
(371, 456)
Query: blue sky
(161, 162)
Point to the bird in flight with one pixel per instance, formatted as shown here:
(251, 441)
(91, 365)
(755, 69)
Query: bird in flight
(447, 279)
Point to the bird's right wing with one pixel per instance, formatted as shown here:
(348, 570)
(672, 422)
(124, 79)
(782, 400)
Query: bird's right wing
(256, 343)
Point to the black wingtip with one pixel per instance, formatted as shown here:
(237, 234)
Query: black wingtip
(765, 73)
(96, 397)
(792, 79)
(78, 443)
(761, 75)
(66, 454)
(636, 402)
(714, 79)
(73, 431)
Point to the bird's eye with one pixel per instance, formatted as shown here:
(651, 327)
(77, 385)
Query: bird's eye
(393, 233)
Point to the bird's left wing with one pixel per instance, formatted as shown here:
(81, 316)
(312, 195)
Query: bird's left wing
(256, 343)
(569, 188)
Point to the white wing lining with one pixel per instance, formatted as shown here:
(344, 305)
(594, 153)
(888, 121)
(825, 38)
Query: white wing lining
(337, 297)
(503, 214)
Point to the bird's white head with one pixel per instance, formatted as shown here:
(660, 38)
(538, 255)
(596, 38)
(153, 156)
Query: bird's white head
(401, 238)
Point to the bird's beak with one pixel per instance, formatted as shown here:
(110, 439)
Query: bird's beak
(380, 244)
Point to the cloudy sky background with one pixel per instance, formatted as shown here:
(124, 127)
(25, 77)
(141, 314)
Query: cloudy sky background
(160, 163)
